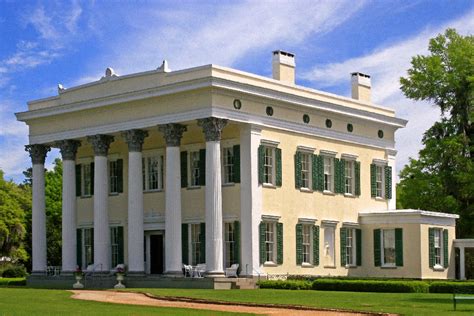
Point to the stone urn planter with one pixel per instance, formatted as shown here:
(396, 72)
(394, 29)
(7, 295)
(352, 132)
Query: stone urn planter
(78, 275)
(120, 275)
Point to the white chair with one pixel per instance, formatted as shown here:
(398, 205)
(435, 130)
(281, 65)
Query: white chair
(188, 270)
(232, 271)
(200, 270)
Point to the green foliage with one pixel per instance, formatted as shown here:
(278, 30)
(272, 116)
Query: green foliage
(17, 271)
(370, 286)
(451, 287)
(285, 285)
(12, 282)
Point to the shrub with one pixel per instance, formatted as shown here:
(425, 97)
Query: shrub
(20, 282)
(451, 287)
(370, 286)
(14, 272)
(285, 285)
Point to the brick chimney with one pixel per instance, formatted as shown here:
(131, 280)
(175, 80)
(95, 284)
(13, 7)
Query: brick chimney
(283, 66)
(361, 86)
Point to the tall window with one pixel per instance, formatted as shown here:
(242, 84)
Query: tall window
(153, 173)
(388, 247)
(307, 241)
(194, 168)
(350, 246)
(113, 171)
(437, 246)
(228, 164)
(349, 177)
(329, 249)
(379, 181)
(88, 246)
(114, 242)
(229, 244)
(86, 176)
(270, 242)
(196, 244)
(306, 170)
(269, 165)
(328, 174)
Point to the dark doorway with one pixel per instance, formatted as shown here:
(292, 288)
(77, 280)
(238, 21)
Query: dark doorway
(156, 254)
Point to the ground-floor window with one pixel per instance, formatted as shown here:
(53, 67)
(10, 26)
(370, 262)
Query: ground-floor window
(114, 243)
(350, 246)
(307, 244)
(229, 244)
(270, 242)
(196, 244)
(388, 247)
(328, 252)
(88, 234)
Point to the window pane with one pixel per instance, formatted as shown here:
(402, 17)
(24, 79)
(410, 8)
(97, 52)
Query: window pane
(228, 164)
(328, 173)
(389, 246)
(270, 241)
(379, 181)
(229, 244)
(86, 176)
(113, 177)
(196, 244)
(194, 166)
(307, 239)
(268, 165)
(348, 175)
(305, 170)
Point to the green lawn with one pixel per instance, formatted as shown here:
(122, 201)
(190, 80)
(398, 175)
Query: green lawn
(401, 303)
(24, 301)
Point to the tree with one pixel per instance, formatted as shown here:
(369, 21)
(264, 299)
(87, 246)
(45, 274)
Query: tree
(446, 78)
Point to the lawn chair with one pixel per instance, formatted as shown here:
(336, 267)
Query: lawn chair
(188, 270)
(200, 270)
(232, 271)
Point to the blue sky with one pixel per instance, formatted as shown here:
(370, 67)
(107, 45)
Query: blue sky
(43, 43)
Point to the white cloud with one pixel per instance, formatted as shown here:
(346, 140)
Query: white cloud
(386, 65)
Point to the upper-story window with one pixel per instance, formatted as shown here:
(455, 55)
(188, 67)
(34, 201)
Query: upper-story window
(269, 164)
(328, 174)
(153, 166)
(228, 165)
(381, 180)
(194, 168)
(87, 183)
(349, 177)
(115, 175)
(306, 163)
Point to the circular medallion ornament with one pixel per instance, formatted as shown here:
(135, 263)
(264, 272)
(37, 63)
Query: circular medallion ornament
(306, 118)
(350, 128)
(269, 111)
(237, 104)
(380, 133)
(328, 123)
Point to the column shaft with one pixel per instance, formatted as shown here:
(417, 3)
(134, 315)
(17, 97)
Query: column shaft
(462, 264)
(101, 215)
(135, 213)
(69, 260)
(39, 219)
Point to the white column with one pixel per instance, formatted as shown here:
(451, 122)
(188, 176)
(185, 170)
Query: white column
(135, 139)
(102, 249)
(212, 128)
(250, 200)
(391, 157)
(173, 246)
(68, 152)
(38, 155)
(462, 264)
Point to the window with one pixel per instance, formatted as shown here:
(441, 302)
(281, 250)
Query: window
(153, 173)
(270, 242)
(437, 247)
(349, 177)
(328, 174)
(88, 246)
(113, 171)
(379, 181)
(87, 180)
(114, 242)
(307, 244)
(196, 244)
(269, 165)
(228, 165)
(350, 246)
(329, 258)
(306, 164)
(388, 247)
(194, 168)
(229, 244)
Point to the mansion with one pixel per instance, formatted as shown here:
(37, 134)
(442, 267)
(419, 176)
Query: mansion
(211, 165)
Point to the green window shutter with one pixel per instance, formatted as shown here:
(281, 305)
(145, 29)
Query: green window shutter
(299, 244)
(445, 249)
(79, 247)
(358, 247)
(236, 151)
(278, 180)
(78, 180)
(120, 258)
(279, 243)
(337, 175)
(388, 182)
(357, 177)
(431, 247)
(120, 175)
(262, 243)
(343, 233)
(320, 173)
(184, 243)
(297, 170)
(315, 245)
(202, 240)
(261, 162)
(202, 167)
(92, 178)
(377, 252)
(184, 170)
(342, 176)
(237, 242)
(399, 247)
(373, 185)
(314, 172)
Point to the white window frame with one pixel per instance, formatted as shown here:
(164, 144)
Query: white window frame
(329, 252)
(440, 256)
(306, 158)
(87, 246)
(328, 173)
(307, 232)
(155, 154)
(227, 178)
(193, 182)
(382, 248)
(349, 176)
(270, 242)
(114, 246)
(195, 243)
(351, 247)
(83, 163)
(269, 167)
(113, 176)
(229, 244)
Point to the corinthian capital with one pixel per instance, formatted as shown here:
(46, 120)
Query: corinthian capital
(212, 128)
(172, 133)
(100, 143)
(37, 153)
(135, 139)
(68, 148)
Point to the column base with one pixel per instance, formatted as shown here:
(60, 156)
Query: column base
(67, 273)
(173, 274)
(135, 274)
(38, 273)
(214, 274)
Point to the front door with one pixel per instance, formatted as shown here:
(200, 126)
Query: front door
(156, 254)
